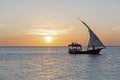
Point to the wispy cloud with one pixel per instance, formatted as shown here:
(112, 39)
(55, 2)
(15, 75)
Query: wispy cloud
(49, 30)
(116, 28)
(2, 25)
(44, 26)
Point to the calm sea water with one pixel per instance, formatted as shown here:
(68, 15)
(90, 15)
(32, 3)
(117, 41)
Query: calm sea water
(54, 63)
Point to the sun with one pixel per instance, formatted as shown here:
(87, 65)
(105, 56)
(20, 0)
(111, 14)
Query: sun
(48, 39)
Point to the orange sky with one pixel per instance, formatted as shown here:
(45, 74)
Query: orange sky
(28, 22)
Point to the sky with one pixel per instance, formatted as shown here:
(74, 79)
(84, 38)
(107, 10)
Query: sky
(54, 22)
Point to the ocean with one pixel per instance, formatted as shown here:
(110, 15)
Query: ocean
(54, 63)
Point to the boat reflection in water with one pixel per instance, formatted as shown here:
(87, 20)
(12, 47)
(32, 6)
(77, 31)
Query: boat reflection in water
(94, 45)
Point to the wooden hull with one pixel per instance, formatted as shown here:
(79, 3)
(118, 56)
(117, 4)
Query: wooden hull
(96, 51)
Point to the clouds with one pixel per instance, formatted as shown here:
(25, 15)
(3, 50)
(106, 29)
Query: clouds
(116, 28)
(3, 25)
(50, 30)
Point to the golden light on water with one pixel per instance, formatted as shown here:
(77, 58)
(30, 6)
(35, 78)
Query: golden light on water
(48, 39)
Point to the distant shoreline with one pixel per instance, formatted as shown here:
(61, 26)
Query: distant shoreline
(46, 46)
(31, 46)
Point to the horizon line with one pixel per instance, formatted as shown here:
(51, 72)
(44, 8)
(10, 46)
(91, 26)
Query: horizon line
(55, 46)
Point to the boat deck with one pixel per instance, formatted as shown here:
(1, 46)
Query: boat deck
(96, 51)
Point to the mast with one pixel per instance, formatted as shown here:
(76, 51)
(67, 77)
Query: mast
(94, 40)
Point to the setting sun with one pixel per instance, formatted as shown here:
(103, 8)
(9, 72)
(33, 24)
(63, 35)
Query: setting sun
(48, 39)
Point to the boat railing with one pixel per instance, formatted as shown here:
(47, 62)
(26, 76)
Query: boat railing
(75, 47)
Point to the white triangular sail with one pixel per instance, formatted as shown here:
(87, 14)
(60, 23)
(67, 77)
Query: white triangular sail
(94, 40)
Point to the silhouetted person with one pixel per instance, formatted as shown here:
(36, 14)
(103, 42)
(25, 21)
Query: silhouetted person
(93, 47)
